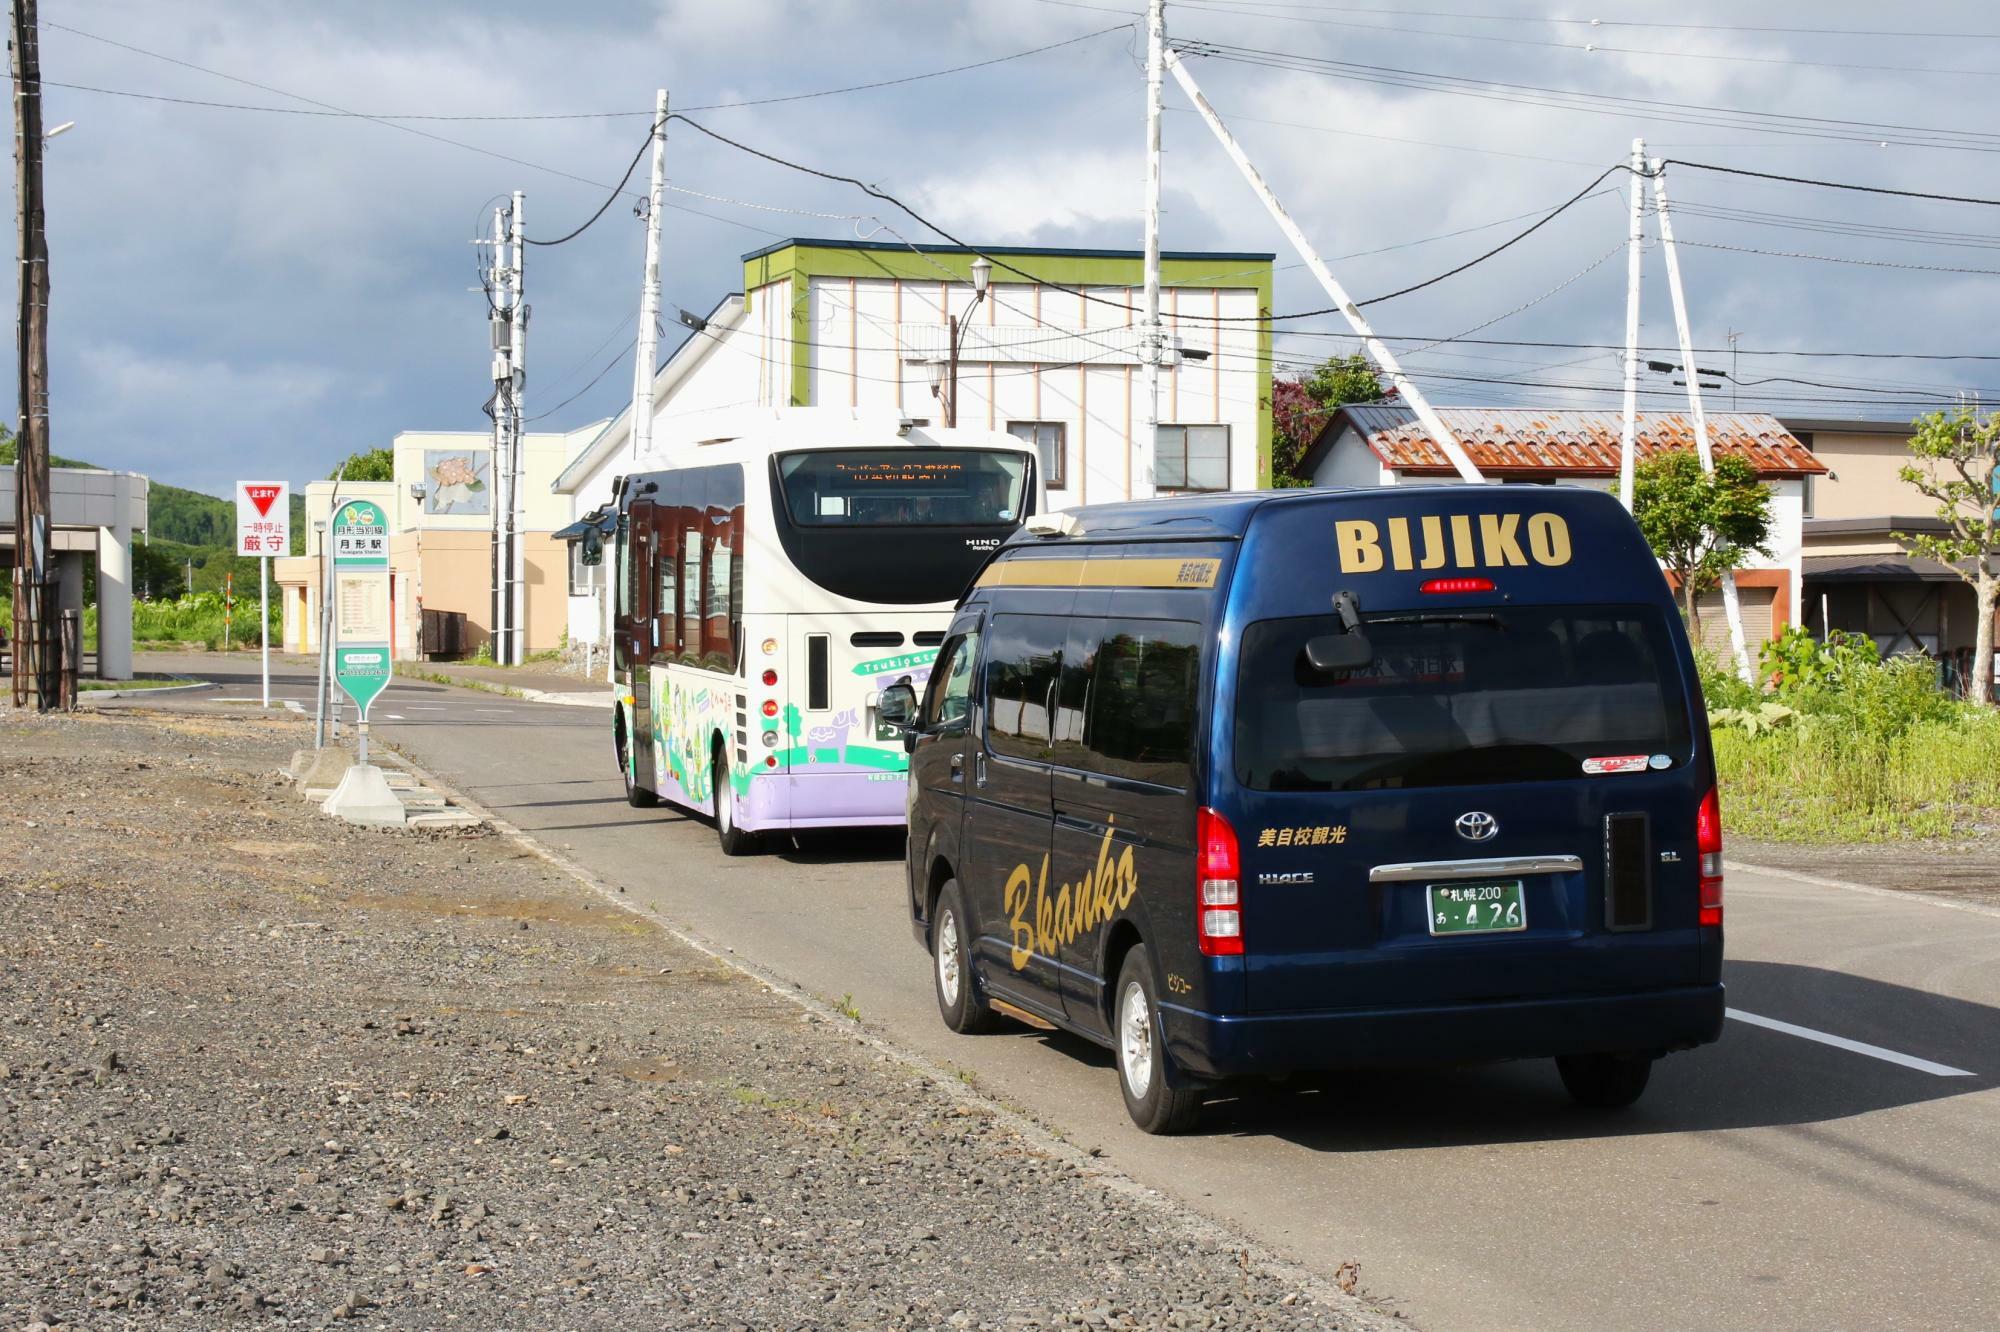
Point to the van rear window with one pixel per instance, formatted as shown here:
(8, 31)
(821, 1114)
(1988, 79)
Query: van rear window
(1458, 698)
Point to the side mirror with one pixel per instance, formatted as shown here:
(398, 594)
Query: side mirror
(1335, 654)
(898, 706)
(593, 548)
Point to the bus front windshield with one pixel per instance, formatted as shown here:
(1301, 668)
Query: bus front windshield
(903, 487)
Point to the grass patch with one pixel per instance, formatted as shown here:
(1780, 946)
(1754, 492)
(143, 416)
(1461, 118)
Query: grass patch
(1838, 746)
(1824, 783)
(847, 1009)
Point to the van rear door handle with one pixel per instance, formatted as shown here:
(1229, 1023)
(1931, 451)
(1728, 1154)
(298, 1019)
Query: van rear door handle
(958, 767)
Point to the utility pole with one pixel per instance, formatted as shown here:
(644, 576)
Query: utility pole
(500, 319)
(35, 653)
(1152, 336)
(649, 290)
(1454, 452)
(1731, 605)
(1635, 239)
(517, 608)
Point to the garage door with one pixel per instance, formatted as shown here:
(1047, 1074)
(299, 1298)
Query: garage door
(1757, 602)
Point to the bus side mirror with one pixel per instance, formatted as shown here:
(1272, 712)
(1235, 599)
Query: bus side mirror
(1335, 654)
(593, 547)
(898, 706)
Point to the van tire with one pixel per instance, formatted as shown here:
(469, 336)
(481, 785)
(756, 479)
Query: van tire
(1139, 1048)
(1605, 1081)
(635, 795)
(961, 1005)
(722, 807)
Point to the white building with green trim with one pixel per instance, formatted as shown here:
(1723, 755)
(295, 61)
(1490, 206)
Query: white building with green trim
(855, 330)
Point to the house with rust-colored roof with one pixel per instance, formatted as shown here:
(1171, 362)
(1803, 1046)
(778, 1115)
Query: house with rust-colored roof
(1383, 444)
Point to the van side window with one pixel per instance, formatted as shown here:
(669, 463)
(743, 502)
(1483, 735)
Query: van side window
(1128, 707)
(948, 698)
(1022, 658)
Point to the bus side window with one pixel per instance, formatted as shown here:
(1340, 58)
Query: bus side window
(690, 622)
(663, 595)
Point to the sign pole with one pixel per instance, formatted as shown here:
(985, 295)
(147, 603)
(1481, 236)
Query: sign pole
(263, 529)
(361, 637)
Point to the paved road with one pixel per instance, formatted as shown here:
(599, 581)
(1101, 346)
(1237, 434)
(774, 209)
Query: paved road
(1773, 1181)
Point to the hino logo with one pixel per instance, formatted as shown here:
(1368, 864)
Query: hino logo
(1296, 876)
(1477, 826)
(982, 543)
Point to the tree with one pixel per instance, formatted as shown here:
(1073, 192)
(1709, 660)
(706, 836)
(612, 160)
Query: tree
(1700, 524)
(1302, 405)
(1957, 452)
(372, 465)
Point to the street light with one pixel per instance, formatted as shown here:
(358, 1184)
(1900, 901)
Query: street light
(982, 277)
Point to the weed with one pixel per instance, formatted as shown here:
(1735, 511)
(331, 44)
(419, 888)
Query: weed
(847, 1009)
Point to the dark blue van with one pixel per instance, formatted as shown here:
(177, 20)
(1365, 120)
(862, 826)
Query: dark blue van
(1261, 783)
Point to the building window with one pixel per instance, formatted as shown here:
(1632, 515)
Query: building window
(582, 577)
(1192, 457)
(1047, 437)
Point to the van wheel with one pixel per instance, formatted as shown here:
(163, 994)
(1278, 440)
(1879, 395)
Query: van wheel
(735, 842)
(1138, 1041)
(635, 795)
(964, 1010)
(1605, 1081)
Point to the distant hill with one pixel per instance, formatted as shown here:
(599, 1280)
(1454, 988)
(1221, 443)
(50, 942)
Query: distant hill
(184, 517)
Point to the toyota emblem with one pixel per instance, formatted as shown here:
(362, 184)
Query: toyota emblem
(1477, 826)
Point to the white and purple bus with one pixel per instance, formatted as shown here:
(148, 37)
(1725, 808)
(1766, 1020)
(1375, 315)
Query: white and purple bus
(769, 589)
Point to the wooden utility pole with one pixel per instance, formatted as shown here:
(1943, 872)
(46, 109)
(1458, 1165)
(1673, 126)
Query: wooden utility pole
(35, 647)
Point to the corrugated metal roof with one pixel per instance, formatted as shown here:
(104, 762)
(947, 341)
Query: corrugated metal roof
(1523, 439)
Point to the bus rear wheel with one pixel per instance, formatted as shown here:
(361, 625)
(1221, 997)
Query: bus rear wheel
(735, 842)
(635, 795)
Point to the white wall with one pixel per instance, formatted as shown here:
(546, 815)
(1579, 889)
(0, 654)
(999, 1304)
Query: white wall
(1350, 462)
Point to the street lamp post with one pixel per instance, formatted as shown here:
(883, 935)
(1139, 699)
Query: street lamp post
(417, 492)
(982, 276)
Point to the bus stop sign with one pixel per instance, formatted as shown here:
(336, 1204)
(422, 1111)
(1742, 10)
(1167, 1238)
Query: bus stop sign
(361, 601)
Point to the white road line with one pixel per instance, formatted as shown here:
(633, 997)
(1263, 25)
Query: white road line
(393, 716)
(1856, 1047)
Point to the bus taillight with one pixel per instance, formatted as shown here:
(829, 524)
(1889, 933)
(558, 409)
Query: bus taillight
(770, 678)
(770, 707)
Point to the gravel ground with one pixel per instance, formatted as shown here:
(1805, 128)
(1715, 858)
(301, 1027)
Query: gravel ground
(261, 1068)
(1959, 871)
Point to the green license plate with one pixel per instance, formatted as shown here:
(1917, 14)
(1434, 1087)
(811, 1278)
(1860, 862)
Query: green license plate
(1493, 907)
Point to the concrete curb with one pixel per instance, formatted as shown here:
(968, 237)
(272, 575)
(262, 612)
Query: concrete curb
(1848, 885)
(1356, 1313)
(84, 695)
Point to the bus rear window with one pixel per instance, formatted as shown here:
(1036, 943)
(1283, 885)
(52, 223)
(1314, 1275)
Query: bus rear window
(905, 487)
(1516, 694)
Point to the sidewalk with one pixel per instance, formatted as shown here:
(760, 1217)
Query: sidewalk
(540, 686)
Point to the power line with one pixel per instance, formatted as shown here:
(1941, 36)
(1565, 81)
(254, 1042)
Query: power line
(591, 385)
(1832, 184)
(612, 197)
(1841, 259)
(1612, 23)
(1569, 99)
(912, 78)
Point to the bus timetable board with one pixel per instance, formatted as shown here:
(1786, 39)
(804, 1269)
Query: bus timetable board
(361, 611)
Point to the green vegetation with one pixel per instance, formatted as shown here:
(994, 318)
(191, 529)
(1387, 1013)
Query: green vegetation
(1700, 523)
(150, 682)
(1960, 453)
(1301, 405)
(198, 619)
(1840, 746)
(368, 465)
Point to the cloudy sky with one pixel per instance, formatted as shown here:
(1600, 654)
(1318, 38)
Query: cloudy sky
(257, 292)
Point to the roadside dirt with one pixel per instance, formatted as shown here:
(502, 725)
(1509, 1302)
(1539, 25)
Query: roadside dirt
(1967, 871)
(261, 1068)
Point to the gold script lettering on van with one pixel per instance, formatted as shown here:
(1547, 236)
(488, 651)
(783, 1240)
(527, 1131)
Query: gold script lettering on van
(1077, 909)
(1497, 542)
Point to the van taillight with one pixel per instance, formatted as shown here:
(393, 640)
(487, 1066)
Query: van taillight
(1708, 848)
(1218, 910)
(1449, 585)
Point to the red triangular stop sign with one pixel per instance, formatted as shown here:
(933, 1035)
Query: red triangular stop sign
(262, 496)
